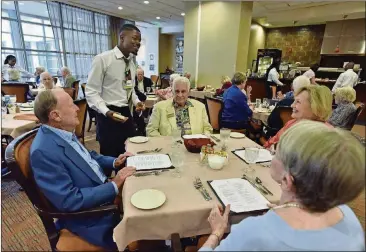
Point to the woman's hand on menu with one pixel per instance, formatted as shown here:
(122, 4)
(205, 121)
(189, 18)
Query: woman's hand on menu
(219, 220)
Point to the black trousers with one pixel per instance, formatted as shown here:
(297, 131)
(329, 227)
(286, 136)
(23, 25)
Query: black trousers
(112, 135)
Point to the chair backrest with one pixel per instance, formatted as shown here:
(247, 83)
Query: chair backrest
(355, 116)
(164, 83)
(83, 108)
(358, 207)
(214, 108)
(70, 91)
(18, 89)
(17, 156)
(83, 85)
(154, 79)
(285, 114)
(55, 79)
(76, 85)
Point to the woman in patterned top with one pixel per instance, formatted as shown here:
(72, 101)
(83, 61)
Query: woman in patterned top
(344, 98)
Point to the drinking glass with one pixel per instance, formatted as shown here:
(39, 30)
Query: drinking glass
(4, 111)
(257, 103)
(251, 155)
(265, 102)
(153, 89)
(148, 89)
(13, 99)
(176, 135)
(177, 158)
(224, 136)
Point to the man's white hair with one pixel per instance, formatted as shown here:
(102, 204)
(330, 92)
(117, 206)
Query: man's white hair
(173, 77)
(139, 69)
(182, 80)
(65, 69)
(300, 82)
(41, 69)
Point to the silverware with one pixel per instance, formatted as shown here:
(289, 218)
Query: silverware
(255, 185)
(150, 151)
(199, 188)
(199, 182)
(156, 173)
(215, 138)
(259, 181)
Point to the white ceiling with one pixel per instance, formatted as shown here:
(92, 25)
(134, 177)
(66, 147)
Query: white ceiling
(275, 13)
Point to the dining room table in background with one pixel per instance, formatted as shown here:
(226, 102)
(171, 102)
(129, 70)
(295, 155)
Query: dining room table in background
(185, 210)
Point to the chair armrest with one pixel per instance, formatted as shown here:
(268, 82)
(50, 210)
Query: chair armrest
(176, 244)
(97, 211)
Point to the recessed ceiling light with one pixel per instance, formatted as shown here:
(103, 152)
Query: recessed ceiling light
(266, 24)
(157, 17)
(146, 2)
(183, 14)
(120, 8)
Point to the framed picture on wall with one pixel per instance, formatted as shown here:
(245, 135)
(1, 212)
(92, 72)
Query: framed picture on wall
(152, 67)
(151, 57)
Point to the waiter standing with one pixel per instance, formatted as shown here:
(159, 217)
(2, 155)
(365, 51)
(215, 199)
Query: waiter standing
(110, 91)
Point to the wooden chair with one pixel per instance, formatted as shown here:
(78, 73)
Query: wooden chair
(358, 207)
(76, 85)
(154, 79)
(214, 108)
(355, 116)
(17, 156)
(164, 83)
(19, 89)
(70, 91)
(80, 129)
(91, 112)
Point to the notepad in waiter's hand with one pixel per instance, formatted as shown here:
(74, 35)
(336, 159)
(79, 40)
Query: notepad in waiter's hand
(240, 194)
(149, 162)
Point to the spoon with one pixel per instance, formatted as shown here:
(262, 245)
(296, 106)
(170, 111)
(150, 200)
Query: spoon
(259, 181)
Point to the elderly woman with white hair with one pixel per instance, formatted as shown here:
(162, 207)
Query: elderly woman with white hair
(344, 98)
(319, 170)
(39, 70)
(68, 78)
(167, 93)
(179, 112)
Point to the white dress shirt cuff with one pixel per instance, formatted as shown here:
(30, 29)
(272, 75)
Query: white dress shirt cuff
(104, 109)
(115, 187)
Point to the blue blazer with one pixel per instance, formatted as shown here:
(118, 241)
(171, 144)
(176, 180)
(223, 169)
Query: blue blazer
(236, 107)
(70, 184)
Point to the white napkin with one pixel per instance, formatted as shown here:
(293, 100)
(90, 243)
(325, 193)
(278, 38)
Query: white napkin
(194, 136)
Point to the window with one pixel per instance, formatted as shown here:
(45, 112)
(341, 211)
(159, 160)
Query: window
(39, 38)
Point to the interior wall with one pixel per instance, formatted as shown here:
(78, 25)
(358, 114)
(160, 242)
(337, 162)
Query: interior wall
(298, 44)
(150, 46)
(257, 41)
(166, 51)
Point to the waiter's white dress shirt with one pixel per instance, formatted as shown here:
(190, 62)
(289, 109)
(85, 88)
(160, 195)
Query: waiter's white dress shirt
(273, 77)
(23, 73)
(348, 78)
(106, 81)
(309, 73)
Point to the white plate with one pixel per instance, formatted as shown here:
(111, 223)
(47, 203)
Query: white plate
(237, 135)
(148, 199)
(139, 139)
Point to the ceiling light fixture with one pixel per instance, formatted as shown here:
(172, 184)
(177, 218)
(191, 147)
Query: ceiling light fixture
(183, 14)
(20, 3)
(120, 8)
(146, 2)
(266, 24)
(157, 17)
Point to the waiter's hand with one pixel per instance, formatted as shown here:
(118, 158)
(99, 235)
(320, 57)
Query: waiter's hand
(140, 106)
(121, 159)
(110, 116)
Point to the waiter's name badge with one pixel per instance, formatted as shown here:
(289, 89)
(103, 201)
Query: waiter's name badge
(170, 115)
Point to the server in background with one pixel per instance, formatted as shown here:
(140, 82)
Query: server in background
(311, 73)
(272, 77)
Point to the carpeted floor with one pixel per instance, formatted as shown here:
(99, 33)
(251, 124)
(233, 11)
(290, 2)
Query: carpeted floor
(22, 230)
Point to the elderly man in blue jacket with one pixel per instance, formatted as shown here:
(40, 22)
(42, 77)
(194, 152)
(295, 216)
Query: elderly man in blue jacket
(70, 176)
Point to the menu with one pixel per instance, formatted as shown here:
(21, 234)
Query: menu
(240, 194)
(150, 162)
(263, 155)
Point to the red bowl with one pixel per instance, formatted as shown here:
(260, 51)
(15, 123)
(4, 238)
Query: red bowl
(195, 145)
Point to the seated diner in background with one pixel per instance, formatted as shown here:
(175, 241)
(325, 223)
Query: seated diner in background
(272, 79)
(12, 72)
(345, 110)
(311, 73)
(71, 177)
(142, 82)
(39, 70)
(68, 79)
(46, 82)
(179, 112)
(326, 171)
(187, 75)
(348, 78)
(225, 84)
(166, 93)
(312, 102)
(236, 111)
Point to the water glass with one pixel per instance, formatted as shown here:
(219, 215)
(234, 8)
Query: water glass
(224, 136)
(176, 135)
(265, 102)
(177, 158)
(13, 99)
(4, 111)
(148, 89)
(257, 103)
(251, 155)
(153, 89)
